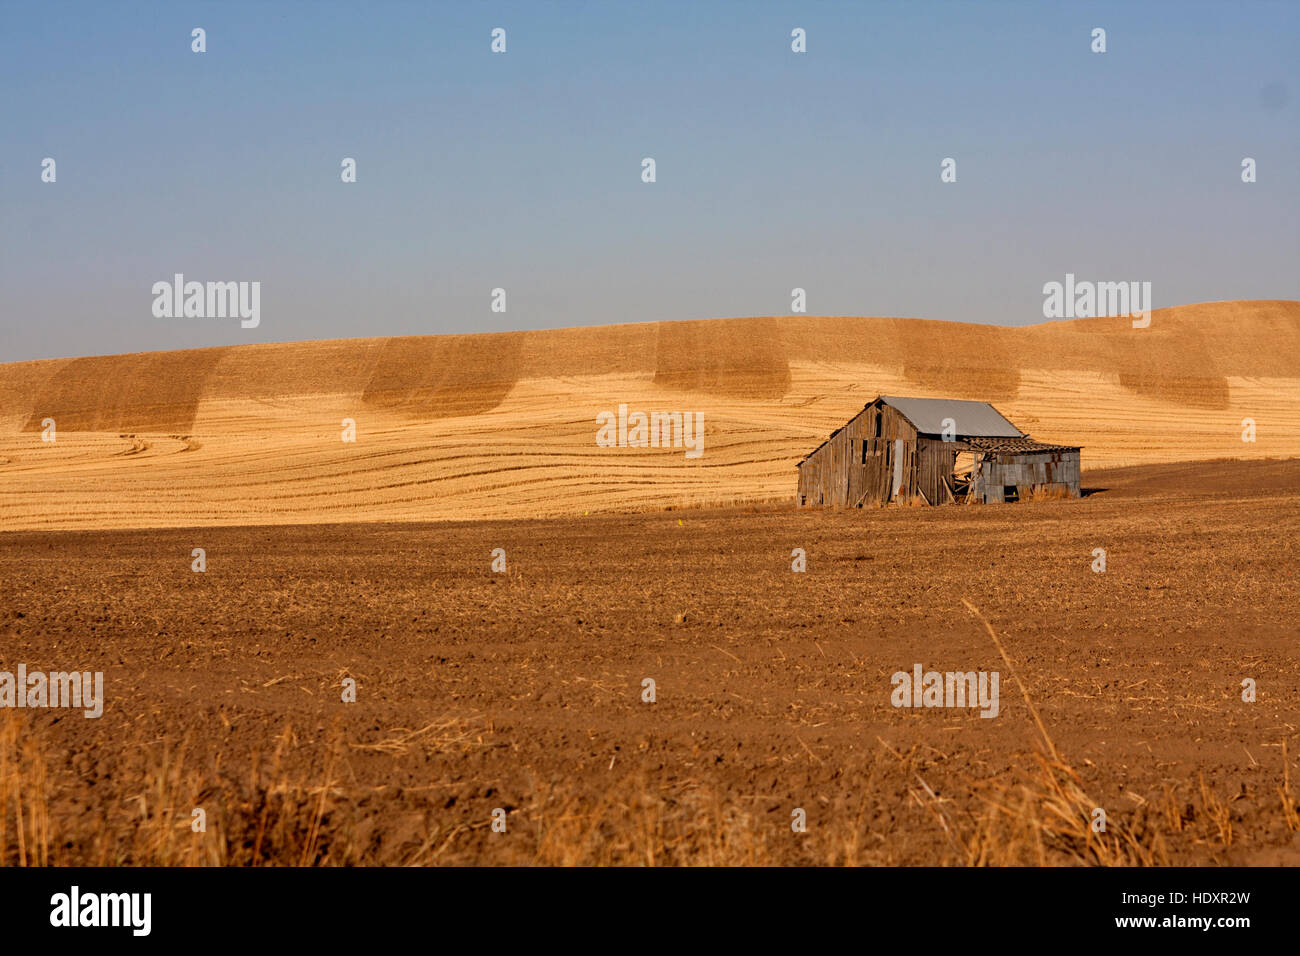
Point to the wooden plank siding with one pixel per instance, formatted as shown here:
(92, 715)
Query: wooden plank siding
(856, 464)
(935, 460)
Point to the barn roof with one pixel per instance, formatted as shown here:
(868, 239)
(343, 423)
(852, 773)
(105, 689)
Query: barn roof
(972, 419)
(1017, 445)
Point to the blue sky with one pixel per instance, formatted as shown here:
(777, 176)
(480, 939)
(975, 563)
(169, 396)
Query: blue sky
(774, 169)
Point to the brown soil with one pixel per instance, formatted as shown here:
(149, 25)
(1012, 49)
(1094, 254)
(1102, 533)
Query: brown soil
(523, 691)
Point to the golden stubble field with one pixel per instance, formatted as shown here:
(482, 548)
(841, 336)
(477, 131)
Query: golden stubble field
(503, 425)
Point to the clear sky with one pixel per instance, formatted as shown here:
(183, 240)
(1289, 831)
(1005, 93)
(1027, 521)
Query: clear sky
(522, 170)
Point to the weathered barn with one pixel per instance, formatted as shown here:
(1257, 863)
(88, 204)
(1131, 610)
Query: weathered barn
(939, 450)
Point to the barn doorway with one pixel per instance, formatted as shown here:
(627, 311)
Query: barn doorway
(963, 475)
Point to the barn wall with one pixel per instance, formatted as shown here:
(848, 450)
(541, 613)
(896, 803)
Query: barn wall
(1026, 471)
(856, 465)
(935, 460)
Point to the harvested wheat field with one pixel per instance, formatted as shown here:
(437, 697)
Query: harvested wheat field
(502, 426)
(524, 691)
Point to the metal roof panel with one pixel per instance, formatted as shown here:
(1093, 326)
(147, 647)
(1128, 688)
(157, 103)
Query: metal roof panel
(971, 419)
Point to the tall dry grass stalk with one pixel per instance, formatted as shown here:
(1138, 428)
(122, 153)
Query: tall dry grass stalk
(1051, 814)
(1289, 808)
(24, 797)
(164, 826)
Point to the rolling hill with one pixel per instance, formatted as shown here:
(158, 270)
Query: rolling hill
(503, 425)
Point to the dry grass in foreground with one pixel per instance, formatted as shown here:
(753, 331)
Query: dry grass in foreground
(273, 818)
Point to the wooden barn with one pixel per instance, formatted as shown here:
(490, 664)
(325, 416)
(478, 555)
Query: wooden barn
(933, 449)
